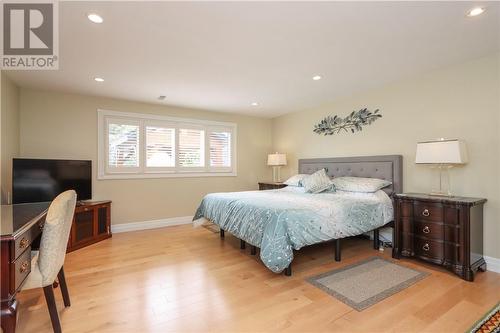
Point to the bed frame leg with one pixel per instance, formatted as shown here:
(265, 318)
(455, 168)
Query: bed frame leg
(288, 270)
(253, 250)
(375, 239)
(337, 249)
(242, 244)
(221, 233)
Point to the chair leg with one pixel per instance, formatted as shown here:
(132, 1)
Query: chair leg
(253, 250)
(51, 304)
(337, 249)
(64, 287)
(221, 233)
(375, 239)
(242, 244)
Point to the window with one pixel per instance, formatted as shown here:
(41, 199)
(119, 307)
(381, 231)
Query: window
(191, 148)
(220, 149)
(123, 146)
(160, 146)
(133, 145)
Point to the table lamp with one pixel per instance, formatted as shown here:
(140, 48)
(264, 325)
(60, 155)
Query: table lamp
(276, 160)
(444, 154)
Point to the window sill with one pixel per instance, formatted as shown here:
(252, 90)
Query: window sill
(165, 175)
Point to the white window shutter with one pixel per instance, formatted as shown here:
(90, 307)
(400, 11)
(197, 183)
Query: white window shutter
(160, 147)
(191, 148)
(123, 145)
(220, 149)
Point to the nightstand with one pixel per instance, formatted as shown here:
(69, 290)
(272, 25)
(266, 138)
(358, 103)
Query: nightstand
(447, 231)
(270, 186)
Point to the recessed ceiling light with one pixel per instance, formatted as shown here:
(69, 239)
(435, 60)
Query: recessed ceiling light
(95, 18)
(316, 77)
(99, 79)
(255, 104)
(475, 11)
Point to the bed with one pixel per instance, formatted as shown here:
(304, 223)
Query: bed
(281, 221)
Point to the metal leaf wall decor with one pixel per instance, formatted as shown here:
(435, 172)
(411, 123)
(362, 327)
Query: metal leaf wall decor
(352, 123)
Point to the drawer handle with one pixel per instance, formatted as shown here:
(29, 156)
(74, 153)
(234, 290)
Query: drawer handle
(24, 267)
(426, 212)
(426, 230)
(426, 247)
(23, 243)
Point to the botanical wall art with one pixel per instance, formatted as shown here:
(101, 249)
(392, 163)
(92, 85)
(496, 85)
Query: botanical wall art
(353, 122)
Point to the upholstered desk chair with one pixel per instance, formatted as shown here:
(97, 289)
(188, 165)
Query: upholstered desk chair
(47, 263)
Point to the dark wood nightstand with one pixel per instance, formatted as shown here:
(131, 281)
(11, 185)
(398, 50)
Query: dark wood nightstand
(447, 231)
(270, 185)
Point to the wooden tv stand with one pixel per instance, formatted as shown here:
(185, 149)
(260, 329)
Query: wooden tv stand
(91, 224)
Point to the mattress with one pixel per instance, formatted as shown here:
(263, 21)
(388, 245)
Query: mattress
(287, 219)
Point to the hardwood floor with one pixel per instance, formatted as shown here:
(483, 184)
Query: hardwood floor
(185, 279)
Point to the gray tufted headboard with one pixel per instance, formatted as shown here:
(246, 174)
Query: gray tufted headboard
(389, 167)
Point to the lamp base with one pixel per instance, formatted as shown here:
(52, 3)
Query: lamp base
(276, 174)
(444, 182)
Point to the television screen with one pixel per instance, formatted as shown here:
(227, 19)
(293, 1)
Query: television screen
(40, 180)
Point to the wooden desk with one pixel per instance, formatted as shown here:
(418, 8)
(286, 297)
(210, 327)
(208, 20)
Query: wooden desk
(21, 226)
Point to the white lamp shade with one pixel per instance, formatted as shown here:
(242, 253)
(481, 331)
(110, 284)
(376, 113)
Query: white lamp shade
(441, 152)
(276, 159)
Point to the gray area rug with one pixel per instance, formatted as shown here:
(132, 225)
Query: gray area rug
(367, 282)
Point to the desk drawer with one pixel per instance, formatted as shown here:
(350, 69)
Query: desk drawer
(23, 241)
(429, 249)
(423, 211)
(21, 268)
(429, 230)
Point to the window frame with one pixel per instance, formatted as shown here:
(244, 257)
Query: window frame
(144, 119)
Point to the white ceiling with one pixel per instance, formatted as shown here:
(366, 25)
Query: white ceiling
(223, 56)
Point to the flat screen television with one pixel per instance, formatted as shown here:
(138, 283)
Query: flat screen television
(41, 180)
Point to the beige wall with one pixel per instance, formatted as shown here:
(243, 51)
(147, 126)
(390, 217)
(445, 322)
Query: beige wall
(457, 102)
(56, 125)
(9, 135)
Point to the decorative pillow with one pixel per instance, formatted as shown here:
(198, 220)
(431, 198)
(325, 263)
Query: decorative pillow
(317, 182)
(360, 184)
(296, 180)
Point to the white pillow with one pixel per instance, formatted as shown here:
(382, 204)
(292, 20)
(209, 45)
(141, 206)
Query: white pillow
(295, 180)
(359, 184)
(317, 182)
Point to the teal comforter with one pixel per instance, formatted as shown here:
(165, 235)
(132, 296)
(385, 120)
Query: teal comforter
(279, 221)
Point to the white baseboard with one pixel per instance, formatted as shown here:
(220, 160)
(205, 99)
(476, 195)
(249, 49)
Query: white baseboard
(492, 264)
(153, 224)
